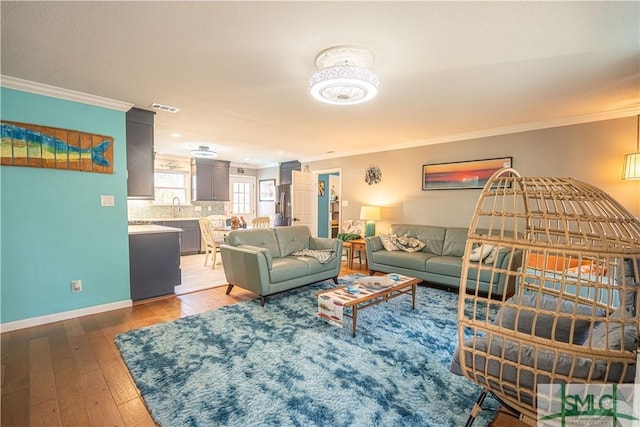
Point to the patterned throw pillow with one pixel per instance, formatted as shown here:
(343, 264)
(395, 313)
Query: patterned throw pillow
(409, 244)
(480, 252)
(492, 255)
(353, 226)
(388, 241)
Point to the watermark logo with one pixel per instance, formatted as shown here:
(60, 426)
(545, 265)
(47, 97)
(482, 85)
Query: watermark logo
(569, 405)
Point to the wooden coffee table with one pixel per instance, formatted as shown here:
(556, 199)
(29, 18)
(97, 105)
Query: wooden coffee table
(367, 297)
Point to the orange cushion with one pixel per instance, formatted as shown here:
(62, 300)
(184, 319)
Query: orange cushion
(554, 262)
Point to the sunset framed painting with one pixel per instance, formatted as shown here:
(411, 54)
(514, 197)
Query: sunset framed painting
(461, 175)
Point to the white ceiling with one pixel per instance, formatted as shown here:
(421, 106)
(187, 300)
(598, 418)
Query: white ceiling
(239, 71)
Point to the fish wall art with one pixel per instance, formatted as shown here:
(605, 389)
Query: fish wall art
(24, 144)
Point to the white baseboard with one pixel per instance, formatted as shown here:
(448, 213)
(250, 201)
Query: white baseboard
(57, 317)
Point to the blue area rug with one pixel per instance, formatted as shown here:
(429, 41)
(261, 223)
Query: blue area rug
(246, 365)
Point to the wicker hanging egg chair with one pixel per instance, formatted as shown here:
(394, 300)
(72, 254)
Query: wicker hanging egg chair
(571, 315)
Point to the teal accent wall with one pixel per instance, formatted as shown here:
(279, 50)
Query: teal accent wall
(52, 227)
(323, 208)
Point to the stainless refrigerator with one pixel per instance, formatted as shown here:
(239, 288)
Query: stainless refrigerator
(283, 205)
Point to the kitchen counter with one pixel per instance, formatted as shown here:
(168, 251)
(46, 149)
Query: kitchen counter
(186, 218)
(152, 229)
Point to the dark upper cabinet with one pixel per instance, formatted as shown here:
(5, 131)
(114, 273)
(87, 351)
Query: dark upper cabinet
(286, 169)
(140, 154)
(210, 179)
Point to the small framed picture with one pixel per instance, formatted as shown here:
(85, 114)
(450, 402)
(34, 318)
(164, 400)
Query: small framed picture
(267, 190)
(320, 188)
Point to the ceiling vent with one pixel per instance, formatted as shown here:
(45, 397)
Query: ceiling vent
(165, 108)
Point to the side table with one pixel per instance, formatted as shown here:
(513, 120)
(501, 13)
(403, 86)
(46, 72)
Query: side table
(356, 245)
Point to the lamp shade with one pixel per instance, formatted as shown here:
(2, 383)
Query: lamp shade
(370, 213)
(631, 168)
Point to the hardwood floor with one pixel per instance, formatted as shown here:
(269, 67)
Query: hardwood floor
(70, 373)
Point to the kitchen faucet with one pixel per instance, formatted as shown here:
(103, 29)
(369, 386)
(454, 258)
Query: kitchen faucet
(173, 206)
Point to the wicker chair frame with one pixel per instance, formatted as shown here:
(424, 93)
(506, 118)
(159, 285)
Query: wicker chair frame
(574, 245)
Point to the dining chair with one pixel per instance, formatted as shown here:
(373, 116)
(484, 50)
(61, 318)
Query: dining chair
(260, 222)
(211, 241)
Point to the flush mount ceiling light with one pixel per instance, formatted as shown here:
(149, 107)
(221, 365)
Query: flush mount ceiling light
(342, 77)
(204, 152)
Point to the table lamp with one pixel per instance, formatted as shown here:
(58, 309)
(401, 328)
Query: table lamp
(370, 214)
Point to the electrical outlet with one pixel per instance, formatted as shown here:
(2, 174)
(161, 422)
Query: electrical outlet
(197, 208)
(209, 208)
(107, 200)
(76, 286)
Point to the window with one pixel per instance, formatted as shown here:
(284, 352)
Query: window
(170, 184)
(241, 198)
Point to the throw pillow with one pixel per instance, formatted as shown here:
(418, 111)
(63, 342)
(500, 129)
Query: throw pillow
(388, 241)
(587, 269)
(492, 255)
(409, 244)
(541, 324)
(480, 253)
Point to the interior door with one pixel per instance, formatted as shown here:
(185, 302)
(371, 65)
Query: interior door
(242, 191)
(303, 200)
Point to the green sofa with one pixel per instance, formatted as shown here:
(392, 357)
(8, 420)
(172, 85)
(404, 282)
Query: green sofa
(440, 261)
(262, 260)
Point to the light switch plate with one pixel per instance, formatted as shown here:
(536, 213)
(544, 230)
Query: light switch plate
(107, 200)
(345, 203)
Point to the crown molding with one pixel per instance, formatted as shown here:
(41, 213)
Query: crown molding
(631, 111)
(66, 94)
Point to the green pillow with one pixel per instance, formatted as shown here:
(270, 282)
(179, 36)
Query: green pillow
(345, 237)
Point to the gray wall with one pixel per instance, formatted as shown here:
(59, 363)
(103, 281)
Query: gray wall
(592, 152)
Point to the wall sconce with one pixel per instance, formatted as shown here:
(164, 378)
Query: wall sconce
(370, 214)
(631, 169)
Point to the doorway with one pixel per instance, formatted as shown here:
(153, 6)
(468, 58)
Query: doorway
(242, 196)
(329, 214)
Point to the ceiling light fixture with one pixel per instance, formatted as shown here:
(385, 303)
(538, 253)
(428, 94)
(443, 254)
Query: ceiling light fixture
(631, 168)
(342, 77)
(204, 152)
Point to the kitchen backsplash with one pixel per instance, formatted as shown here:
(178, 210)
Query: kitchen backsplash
(145, 209)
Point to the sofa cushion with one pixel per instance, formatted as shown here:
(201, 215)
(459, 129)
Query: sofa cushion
(613, 335)
(408, 260)
(524, 355)
(314, 266)
(452, 266)
(432, 236)
(288, 268)
(264, 238)
(547, 324)
(292, 239)
(455, 241)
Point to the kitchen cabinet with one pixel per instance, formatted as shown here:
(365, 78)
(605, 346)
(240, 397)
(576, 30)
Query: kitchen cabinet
(286, 169)
(154, 261)
(190, 236)
(210, 180)
(140, 154)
